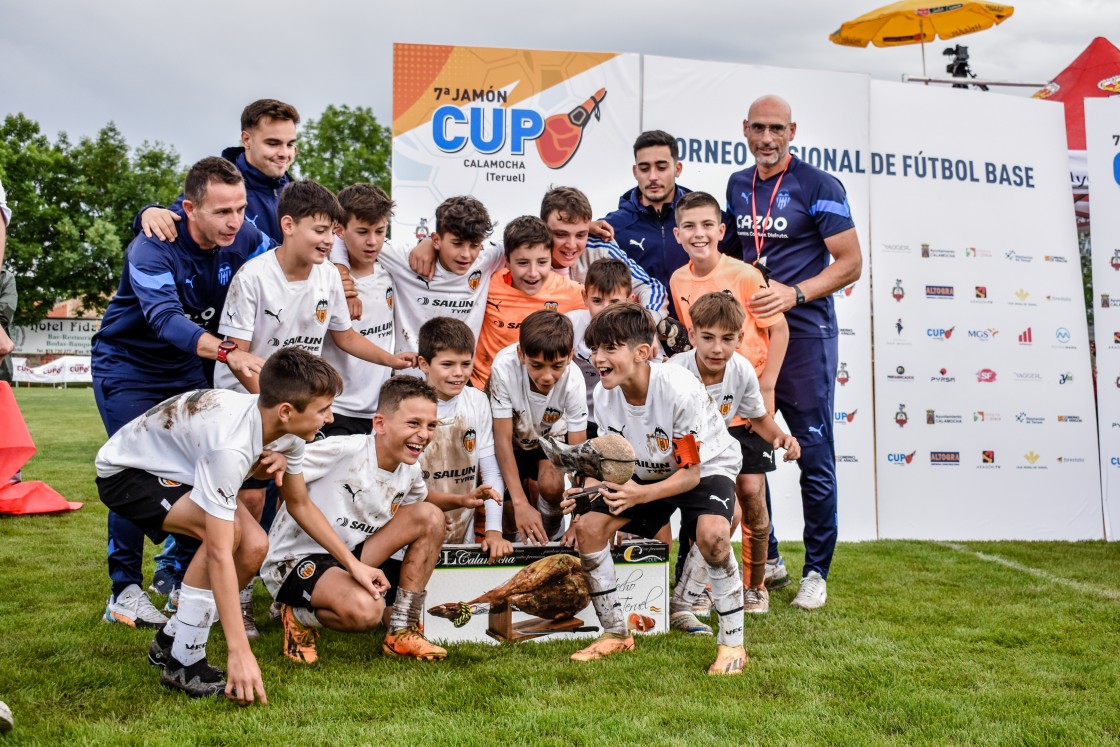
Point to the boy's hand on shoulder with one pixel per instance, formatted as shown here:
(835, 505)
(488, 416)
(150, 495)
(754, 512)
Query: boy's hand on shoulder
(243, 680)
(160, 222)
(602, 229)
(621, 497)
(243, 364)
(496, 545)
(354, 306)
(349, 287)
(406, 360)
(789, 443)
(422, 259)
(271, 464)
(529, 525)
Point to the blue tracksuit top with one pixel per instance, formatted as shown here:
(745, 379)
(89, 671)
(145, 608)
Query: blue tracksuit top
(169, 294)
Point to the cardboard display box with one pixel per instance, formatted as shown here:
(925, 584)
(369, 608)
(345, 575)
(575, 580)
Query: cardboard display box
(464, 573)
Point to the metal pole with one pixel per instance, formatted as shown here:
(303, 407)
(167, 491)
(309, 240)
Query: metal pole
(973, 81)
(922, 33)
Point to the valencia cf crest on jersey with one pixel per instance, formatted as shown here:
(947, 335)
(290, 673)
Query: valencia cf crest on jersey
(321, 311)
(725, 406)
(389, 297)
(551, 306)
(474, 279)
(469, 439)
(551, 415)
(396, 503)
(662, 439)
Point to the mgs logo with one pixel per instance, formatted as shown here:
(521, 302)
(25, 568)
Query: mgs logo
(842, 376)
(725, 405)
(897, 293)
(321, 311)
(902, 418)
(469, 440)
(551, 415)
(306, 569)
(474, 279)
(662, 439)
(389, 298)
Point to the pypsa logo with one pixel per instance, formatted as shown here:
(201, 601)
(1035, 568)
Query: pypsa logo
(938, 333)
(842, 376)
(939, 291)
(321, 311)
(945, 458)
(551, 415)
(943, 377)
(897, 293)
(725, 405)
(900, 458)
(844, 417)
(986, 376)
(474, 279)
(662, 439)
(487, 130)
(902, 419)
(389, 297)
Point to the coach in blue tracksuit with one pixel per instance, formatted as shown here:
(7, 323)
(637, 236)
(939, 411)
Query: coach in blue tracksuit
(797, 217)
(158, 337)
(644, 222)
(268, 148)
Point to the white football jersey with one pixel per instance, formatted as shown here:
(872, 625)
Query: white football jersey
(272, 312)
(738, 395)
(355, 495)
(362, 380)
(677, 404)
(580, 318)
(562, 410)
(208, 439)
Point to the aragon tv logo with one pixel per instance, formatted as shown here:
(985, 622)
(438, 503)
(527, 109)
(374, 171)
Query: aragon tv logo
(490, 130)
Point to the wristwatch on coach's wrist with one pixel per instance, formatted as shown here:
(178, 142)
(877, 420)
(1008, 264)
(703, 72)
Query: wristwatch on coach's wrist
(800, 295)
(225, 348)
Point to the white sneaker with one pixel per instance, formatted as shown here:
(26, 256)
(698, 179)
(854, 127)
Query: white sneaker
(171, 606)
(5, 718)
(702, 607)
(133, 608)
(776, 576)
(247, 618)
(756, 601)
(813, 592)
(686, 622)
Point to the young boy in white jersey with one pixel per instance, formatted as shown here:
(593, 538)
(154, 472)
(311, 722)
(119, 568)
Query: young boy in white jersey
(716, 332)
(372, 490)
(685, 460)
(200, 445)
(366, 210)
(461, 454)
(536, 391)
(608, 281)
(456, 281)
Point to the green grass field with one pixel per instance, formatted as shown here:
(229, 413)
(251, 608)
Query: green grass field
(920, 643)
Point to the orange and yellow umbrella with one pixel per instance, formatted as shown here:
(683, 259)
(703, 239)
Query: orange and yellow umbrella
(918, 22)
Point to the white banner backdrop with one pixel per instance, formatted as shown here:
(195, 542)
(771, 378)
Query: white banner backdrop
(832, 133)
(69, 369)
(1102, 139)
(505, 125)
(985, 419)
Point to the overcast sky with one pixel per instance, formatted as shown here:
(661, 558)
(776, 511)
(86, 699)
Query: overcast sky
(180, 72)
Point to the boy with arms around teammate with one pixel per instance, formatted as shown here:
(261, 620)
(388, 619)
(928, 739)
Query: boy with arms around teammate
(199, 446)
(366, 210)
(685, 460)
(462, 449)
(371, 489)
(717, 329)
(535, 391)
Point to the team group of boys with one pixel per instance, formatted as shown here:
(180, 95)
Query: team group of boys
(550, 332)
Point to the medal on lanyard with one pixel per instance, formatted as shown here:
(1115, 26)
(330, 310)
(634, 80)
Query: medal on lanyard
(759, 238)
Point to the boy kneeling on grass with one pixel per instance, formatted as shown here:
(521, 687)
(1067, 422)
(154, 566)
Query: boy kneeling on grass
(201, 445)
(372, 490)
(685, 460)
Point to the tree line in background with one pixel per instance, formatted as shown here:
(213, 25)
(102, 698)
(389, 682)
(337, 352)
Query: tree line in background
(73, 203)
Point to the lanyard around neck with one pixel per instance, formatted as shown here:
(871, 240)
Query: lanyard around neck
(759, 236)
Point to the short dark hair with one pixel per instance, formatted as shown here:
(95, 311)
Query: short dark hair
(608, 274)
(210, 169)
(694, 200)
(444, 333)
(399, 388)
(652, 138)
(295, 376)
(527, 230)
(720, 309)
(306, 198)
(252, 114)
(548, 334)
(366, 202)
(568, 203)
(624, 323)
(465, 217)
